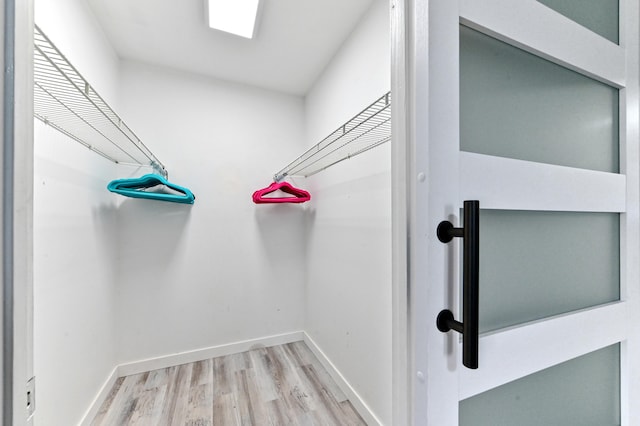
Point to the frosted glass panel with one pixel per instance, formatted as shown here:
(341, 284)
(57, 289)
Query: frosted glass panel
(600, 16)
(581, 392)
(537, 264)
(514, 104)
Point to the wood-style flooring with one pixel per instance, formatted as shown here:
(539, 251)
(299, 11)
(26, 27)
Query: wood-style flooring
(280, 385)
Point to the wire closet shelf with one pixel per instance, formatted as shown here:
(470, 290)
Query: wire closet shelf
(367, 130)
(64, 100)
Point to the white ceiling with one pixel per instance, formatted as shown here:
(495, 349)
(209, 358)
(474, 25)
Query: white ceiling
(294, 39)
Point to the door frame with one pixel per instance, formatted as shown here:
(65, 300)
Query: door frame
(400, 208)
(17, 209)
(18, 348)
(418, 121)
(21, 321)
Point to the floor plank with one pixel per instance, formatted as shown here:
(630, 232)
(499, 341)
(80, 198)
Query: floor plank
(279, 385)
(148, 408)
(104, 409)
(308, 358)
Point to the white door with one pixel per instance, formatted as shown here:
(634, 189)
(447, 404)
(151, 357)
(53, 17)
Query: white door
(530, 108)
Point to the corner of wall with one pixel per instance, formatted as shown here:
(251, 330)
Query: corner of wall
(349, 297)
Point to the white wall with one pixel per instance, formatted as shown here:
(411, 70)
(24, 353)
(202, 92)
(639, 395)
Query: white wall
(74, 237)
(223, 270)
(357, 75)
(349, 254)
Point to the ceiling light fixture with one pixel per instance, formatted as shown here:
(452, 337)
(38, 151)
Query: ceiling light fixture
(234, 16)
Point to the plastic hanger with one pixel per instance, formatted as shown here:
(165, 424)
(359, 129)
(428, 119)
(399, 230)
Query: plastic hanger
(135, 188)
(299, 195)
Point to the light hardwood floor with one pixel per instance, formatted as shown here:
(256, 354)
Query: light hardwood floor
(280, 385)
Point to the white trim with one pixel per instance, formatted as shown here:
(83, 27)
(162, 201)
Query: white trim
(504, 183)
(5, 351)
(522, 350)
(358, 403)
(433, 135)
(23, 211)
(101, 396)
(166, 361)
(400, 183)
(629, 223)
(563, 41)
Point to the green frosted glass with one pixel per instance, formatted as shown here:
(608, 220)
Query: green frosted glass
(514, 104)
(538, 264)
(581, 392)
(600, 16)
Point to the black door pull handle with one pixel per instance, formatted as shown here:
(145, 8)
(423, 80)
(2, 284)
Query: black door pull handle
(470, 234)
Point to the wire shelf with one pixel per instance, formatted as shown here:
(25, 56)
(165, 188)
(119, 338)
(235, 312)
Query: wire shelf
(64, 100)
(367, 130)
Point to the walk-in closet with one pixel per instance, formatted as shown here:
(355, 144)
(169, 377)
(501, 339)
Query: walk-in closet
(360, 212)
(184, 293)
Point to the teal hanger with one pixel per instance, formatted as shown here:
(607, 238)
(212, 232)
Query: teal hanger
(135, 188)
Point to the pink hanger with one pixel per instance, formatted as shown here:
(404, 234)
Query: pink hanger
(299, 195)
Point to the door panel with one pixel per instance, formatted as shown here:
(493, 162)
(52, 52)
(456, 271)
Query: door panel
(584, 391)
(514, 104)
(600, 16)
(531, 26)
(540, 264)
(519, 351)
(503, 183)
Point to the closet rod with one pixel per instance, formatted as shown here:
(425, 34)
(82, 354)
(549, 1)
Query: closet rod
(65, 100)
(366, 130)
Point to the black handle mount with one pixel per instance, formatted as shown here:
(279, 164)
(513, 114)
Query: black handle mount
(445, 322)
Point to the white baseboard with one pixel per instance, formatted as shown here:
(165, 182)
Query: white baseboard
(206, 353)
(355, 399)
(100, 398)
